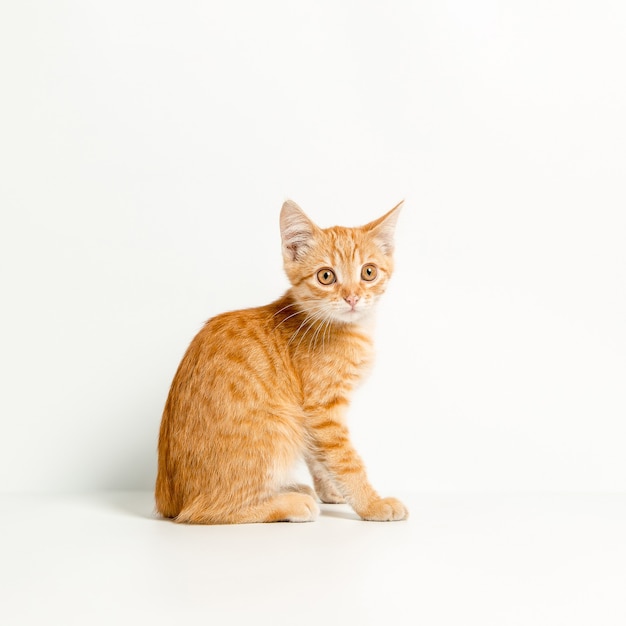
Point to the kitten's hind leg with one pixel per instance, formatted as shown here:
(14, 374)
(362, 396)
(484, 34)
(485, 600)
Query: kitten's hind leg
(299, 488)
(283, 507)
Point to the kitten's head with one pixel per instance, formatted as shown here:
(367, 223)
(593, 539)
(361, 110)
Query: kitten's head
(337, 273)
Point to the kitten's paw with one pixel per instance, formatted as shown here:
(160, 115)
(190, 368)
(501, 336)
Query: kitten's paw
(385, 510)
(301, 508)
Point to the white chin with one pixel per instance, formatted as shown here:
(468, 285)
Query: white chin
(350, 315)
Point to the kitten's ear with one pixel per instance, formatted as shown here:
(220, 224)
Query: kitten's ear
(384, 228)
(296, 231)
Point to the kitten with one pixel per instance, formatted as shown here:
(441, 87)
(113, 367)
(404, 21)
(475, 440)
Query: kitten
(258, 389)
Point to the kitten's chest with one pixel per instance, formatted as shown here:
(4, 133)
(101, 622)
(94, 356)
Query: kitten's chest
(337, 367)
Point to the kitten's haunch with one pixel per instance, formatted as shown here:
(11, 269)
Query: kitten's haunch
(261, 388)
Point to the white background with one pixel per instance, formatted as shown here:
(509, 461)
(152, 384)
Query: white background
(146, 149)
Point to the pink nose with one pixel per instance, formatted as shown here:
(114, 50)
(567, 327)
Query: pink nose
(352, 300)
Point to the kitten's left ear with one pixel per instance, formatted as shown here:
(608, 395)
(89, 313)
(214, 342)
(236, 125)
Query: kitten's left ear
(384, 228)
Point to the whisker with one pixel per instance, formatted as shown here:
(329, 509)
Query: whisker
(285, 307)
(313, 339)
(317, 333)
(289, 317)
(296, 313)
(317, 316)
(329, 321)
(327, 327)
(294, 303)
(304, 321)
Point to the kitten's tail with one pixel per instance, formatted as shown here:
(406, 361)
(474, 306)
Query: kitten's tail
(164, 493)
(165, 504)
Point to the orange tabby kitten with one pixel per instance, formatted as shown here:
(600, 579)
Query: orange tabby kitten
(260, 388)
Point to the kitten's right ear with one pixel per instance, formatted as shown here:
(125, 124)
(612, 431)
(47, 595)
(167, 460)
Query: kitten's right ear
(383, 228)
(296, 231)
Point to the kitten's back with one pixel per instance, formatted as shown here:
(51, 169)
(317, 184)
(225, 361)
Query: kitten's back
(232, 420)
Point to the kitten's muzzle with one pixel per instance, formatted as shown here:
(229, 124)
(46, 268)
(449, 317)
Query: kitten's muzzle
(352, 300)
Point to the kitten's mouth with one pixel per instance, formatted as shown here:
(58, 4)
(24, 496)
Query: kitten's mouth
(350, 314)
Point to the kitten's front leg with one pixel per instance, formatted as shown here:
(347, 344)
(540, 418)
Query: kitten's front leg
(335, 452)
(324, 486)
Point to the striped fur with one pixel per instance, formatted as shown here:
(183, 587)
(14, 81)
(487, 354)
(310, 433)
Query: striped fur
(260, 388)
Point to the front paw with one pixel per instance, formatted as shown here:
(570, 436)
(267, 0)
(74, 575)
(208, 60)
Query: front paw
(385, 510)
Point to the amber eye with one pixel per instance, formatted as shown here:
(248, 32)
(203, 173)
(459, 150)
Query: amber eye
(326, 276)
(369, 272)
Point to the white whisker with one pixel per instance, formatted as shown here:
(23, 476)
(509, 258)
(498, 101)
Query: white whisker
(294, 314)
(322, 326)
(313, 317)
(285, 307)
(329, 321)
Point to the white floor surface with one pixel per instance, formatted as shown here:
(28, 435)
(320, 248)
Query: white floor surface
(473, 559)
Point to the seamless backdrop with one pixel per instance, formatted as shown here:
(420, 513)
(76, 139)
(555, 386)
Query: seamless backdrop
(146, 149)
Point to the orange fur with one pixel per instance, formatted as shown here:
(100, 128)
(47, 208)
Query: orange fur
(260, 388)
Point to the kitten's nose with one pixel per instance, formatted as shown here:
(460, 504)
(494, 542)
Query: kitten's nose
(352, 300)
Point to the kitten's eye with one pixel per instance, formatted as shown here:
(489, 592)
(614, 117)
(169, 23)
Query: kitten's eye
(326, 276)
(369, 272)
